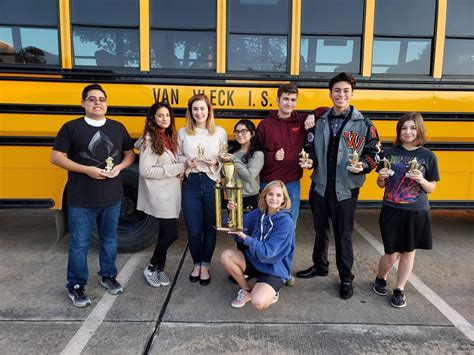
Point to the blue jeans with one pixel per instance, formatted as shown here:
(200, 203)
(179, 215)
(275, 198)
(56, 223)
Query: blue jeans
(199, 210)
(294, 190)
(82, 221)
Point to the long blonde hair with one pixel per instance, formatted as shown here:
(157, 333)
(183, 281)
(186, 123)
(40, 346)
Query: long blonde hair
(262, 204)
(191, 124)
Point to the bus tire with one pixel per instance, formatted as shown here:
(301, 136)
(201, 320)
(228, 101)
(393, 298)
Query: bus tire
(136, 230)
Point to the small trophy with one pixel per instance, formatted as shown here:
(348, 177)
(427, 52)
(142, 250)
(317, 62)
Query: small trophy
(305, 157)
(223, 151)
(412, 166)
(234, 193)
(109, 164)
(354, 160)
(387, 164)
(200, 152)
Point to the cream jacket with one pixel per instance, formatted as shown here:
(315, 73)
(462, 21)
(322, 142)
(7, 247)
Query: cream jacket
(159, 185)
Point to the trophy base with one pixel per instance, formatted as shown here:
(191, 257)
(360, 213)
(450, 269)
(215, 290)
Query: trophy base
(228, 229)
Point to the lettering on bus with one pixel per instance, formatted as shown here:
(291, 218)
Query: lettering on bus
(218, 97)
(263, 99)
(165, 95)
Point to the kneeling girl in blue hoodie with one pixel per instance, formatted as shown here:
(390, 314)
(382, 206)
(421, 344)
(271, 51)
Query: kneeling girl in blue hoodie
(270, 238)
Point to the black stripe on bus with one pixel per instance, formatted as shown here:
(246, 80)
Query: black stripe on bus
(434, 204)
(251, 79)
(220, 113)
(26, 141)
(26, 203)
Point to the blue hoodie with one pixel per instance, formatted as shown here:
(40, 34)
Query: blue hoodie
(271, 242)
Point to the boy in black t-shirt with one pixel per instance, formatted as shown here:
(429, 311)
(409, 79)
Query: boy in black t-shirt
(94, 150)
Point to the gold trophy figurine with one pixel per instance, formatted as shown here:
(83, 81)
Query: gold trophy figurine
(109, 164)
(200, 152)
(223, 151)
(234, 194)
(305, 157)
(387, 164)
(354, 160)
(412, 166)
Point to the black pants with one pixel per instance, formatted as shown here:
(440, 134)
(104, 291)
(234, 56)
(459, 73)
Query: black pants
(167, 235)
(341, 214)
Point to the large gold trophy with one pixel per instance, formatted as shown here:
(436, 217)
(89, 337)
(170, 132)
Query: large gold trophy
(234, 193)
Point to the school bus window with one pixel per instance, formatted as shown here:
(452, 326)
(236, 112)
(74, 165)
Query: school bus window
(326, 47)
(459, 45)
(105, 38)
(403, 35)
(258, 35)
(29, 39)
(183, 39)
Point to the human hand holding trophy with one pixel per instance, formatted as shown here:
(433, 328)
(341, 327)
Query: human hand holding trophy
(355, 165)
(387, 165)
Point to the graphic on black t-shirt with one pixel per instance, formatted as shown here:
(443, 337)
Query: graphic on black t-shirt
(100, 138)
(402, 189)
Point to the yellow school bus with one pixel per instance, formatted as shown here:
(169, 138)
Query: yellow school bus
(406, 56)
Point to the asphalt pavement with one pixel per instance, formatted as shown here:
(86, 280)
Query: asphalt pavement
(37, 317)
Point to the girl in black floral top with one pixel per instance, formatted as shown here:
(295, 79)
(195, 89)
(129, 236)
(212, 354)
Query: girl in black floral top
(409, 173)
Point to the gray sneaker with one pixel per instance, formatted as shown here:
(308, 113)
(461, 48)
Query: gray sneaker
(164, 279)
(78, 296)
(112, 285)
(155, 277)
(380, 286)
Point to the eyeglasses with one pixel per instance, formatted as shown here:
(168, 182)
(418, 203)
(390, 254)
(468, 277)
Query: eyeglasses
(243, 132)
(93, 99)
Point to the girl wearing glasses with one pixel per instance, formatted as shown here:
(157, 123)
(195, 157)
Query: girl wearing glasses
(200, 142)
(248, 159)
(159, 187)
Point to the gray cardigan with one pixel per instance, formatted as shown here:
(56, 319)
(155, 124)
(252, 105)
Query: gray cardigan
(249, 173)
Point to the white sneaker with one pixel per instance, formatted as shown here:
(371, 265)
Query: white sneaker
(275, 299)
(242, 298)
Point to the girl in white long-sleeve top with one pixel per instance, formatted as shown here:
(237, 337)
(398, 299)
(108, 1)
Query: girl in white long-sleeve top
(201, 141)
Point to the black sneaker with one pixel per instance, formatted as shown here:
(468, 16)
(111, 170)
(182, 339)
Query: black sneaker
(112, 285)
(398, 300)
(78, 296)
(380, 286)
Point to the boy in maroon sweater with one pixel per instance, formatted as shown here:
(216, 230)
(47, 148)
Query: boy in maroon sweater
(282, 135)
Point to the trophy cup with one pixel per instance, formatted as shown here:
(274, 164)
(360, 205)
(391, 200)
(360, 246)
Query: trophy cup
(305, 157)
(412, 166)
(234, 193)
(354, 160)
(109, 164)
